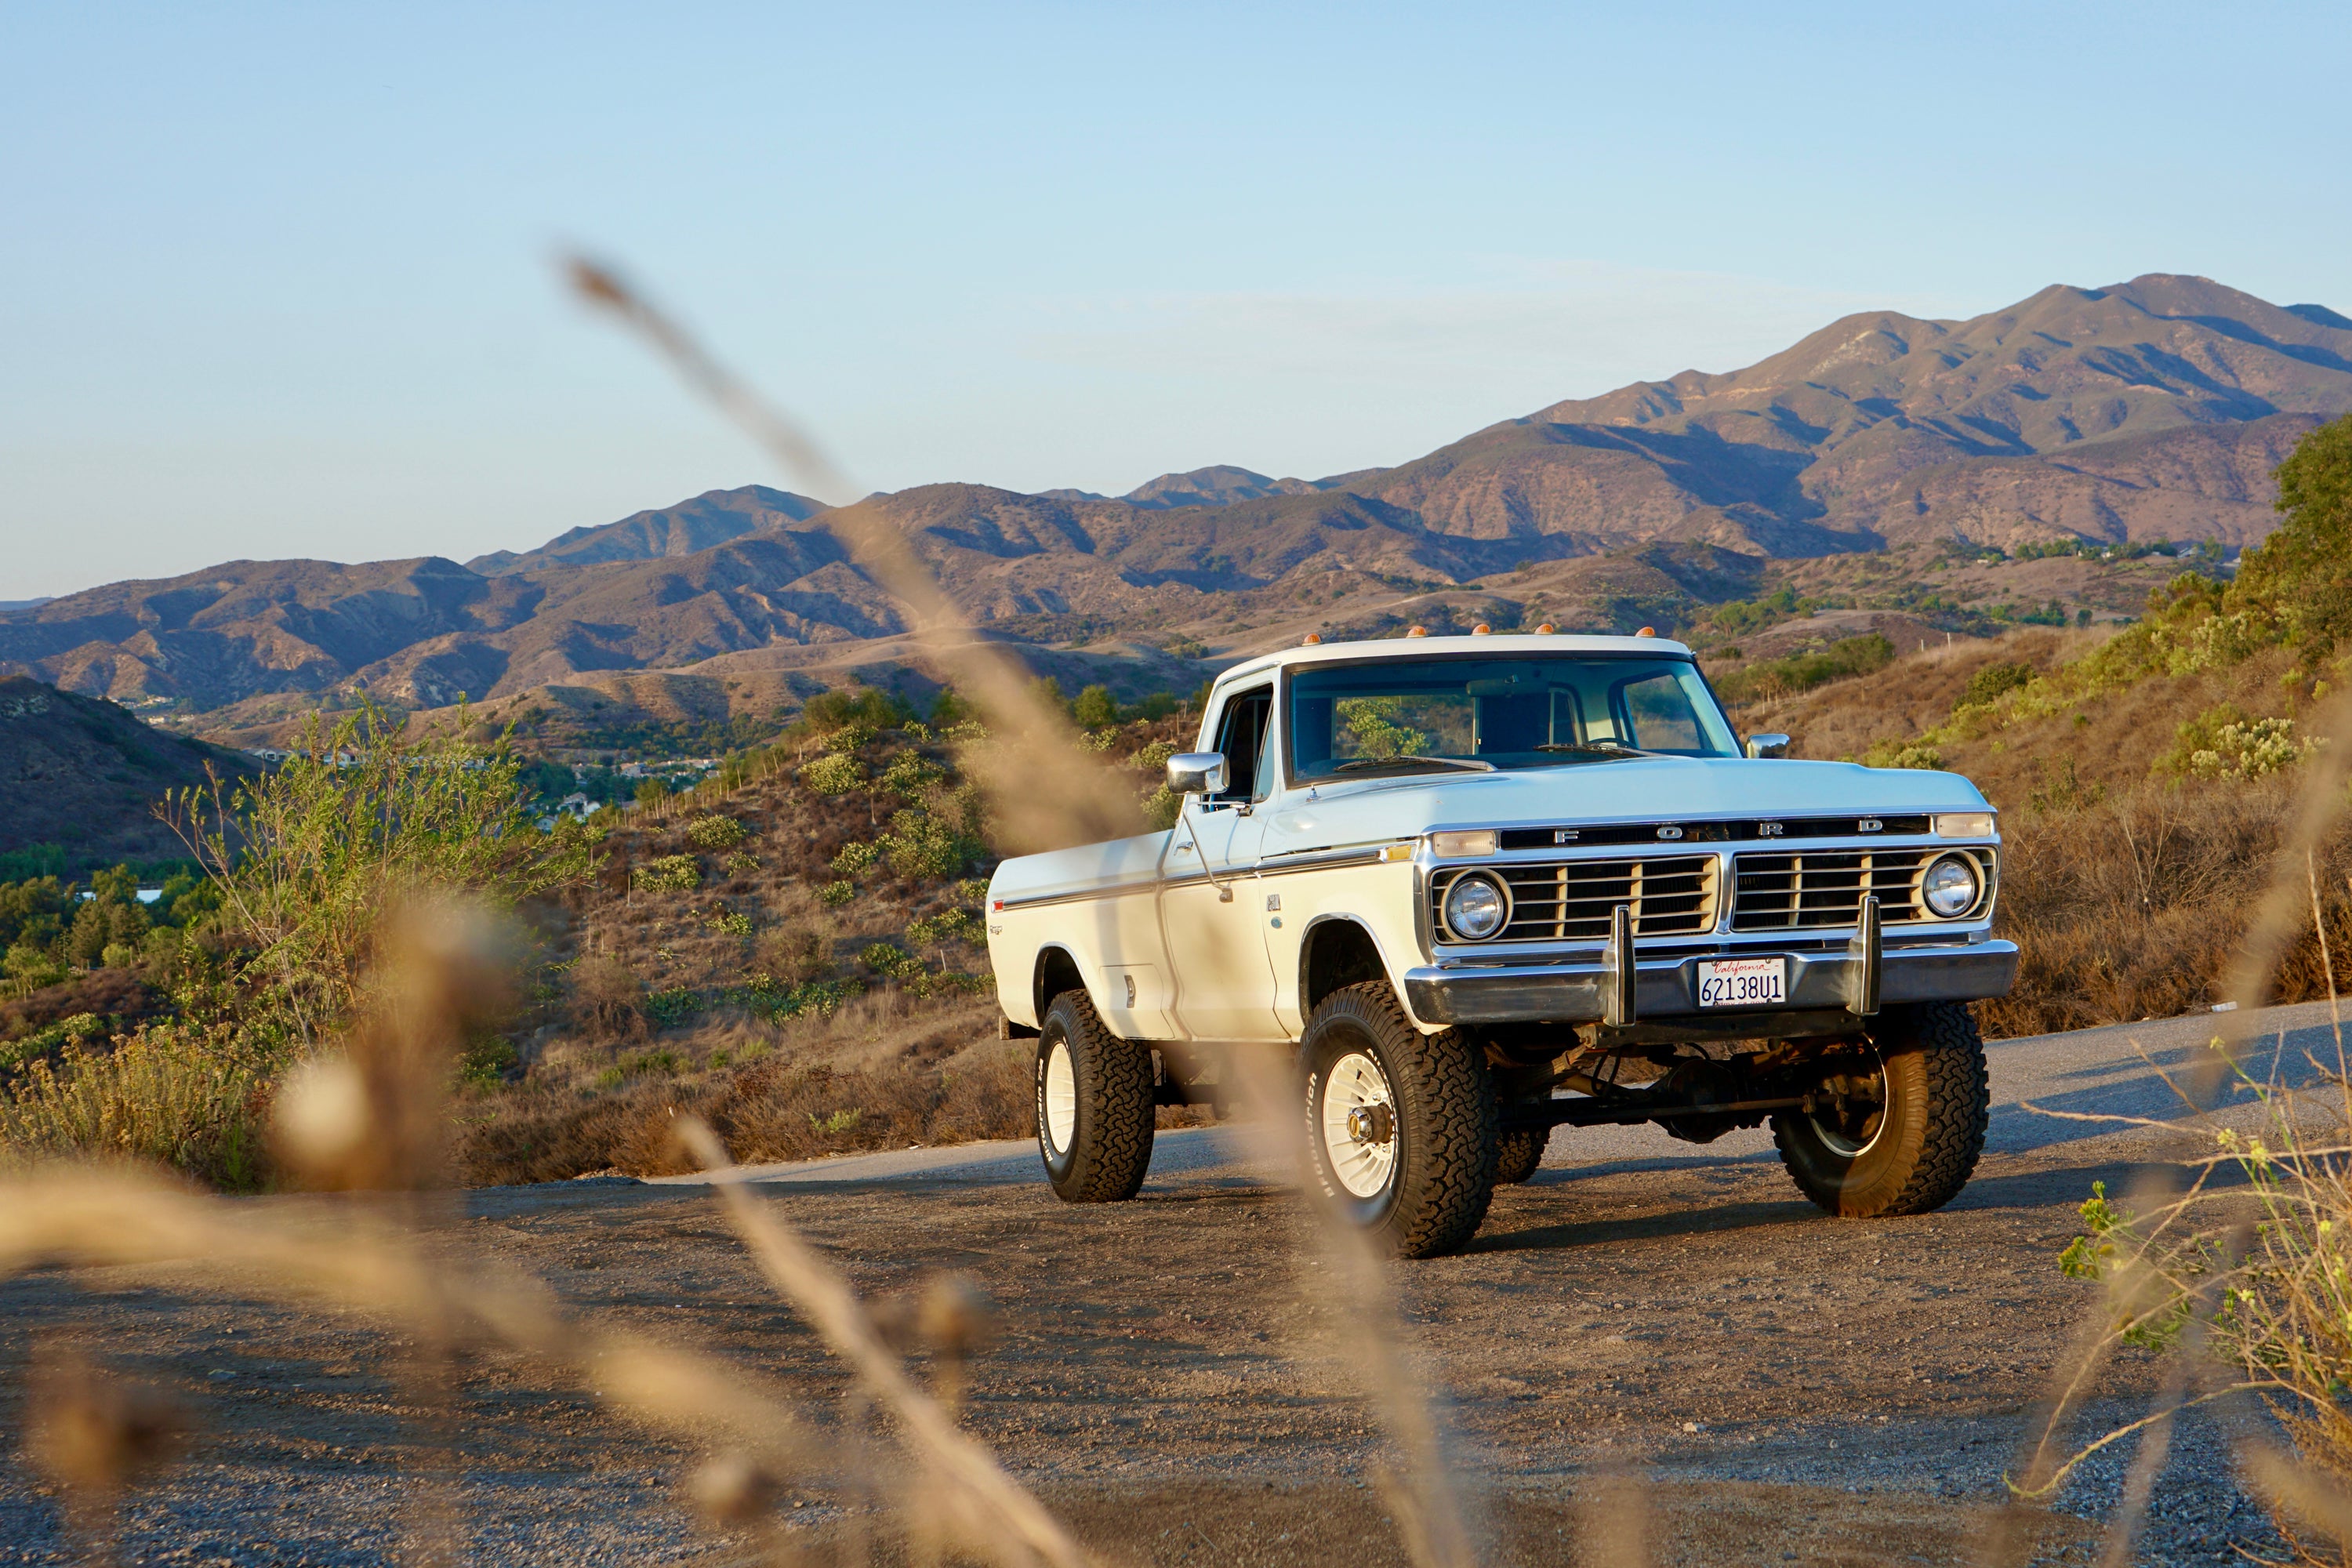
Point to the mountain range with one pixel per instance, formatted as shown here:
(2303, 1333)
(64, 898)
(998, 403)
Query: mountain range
(2154, 408)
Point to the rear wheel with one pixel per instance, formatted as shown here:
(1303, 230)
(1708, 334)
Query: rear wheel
(1899, 1120)
(1401, 1124)
(1094, 1105)
(1518, 1155)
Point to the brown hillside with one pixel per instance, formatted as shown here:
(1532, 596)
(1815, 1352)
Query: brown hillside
(85, 776)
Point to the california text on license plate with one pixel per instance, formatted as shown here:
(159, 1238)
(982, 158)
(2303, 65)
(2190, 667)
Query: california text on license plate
(1742, 981)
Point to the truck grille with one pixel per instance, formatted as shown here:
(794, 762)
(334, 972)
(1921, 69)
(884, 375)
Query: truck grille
(1824, 887)
(1669, 895)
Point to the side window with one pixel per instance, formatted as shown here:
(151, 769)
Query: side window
(1658, 716)
(1242, 737)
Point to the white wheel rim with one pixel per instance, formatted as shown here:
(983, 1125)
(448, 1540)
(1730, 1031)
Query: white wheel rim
(1846, 1148)
(1361, 1167)
(1061, 1097)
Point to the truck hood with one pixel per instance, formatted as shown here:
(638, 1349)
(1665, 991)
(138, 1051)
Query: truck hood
(1643, 789)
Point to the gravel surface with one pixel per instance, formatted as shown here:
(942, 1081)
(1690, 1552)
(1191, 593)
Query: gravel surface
(1652, 1337)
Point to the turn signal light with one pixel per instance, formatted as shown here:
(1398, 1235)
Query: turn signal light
(1477, 841)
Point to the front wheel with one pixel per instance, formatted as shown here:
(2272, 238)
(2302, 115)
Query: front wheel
(1898, 1120)
(1401, 1124)
(1094, 1105)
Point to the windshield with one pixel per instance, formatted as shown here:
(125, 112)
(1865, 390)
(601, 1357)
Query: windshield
(1402, 715)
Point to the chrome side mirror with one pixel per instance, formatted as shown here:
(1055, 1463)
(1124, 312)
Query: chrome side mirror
(1196, 772)
(1768, 745)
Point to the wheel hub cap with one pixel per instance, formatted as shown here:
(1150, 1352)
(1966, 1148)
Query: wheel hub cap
(1357, 1121)
(1060, 1098)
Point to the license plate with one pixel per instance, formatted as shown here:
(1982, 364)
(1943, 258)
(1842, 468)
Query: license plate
(1743, 982)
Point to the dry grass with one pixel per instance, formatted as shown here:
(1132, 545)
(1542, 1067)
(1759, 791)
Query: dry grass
(2128, 887)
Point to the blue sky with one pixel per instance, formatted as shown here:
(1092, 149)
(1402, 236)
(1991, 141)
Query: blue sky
(275, 281)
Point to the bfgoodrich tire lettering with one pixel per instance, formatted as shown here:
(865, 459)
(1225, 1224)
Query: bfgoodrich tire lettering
(1094, 1105)
(1429, 1192)
(1918, 1153)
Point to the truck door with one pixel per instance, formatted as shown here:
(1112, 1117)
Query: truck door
(1208, 896)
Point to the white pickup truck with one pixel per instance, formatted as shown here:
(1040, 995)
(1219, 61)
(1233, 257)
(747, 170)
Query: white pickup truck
(1469, 888)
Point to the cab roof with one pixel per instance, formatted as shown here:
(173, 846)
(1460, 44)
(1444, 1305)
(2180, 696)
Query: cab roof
(1492, 645)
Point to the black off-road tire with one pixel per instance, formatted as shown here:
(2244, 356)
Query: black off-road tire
(1519, 1154)
(1108, 1146)
(1441, 1175)
(1933, 1129)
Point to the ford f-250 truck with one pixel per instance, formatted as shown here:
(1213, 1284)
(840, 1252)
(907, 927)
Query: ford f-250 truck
(1466, 889)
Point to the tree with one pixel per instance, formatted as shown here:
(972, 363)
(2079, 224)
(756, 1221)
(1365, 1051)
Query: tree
(2302, 576)
(308, 859)
(1094, 708)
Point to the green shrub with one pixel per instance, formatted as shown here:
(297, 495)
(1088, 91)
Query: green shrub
(77, 1030)
(742, 864)
(837, 1123)
(834, 774)
(766, 997)
(2223, 742)
(954, 925)
(888, 958)
(1993, 682)
(715, 833)
(1787, 676)
(365, 815)
(910, 775)
(654, 1061)
(1920, 753)
(484, 1063)
(921, 845)
(1153, 758)
(671, 873)
(667, 1009)
(729, 922)
(833, 895)
(855, 860)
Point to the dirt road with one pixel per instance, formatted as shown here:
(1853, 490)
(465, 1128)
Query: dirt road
(1652, 1337)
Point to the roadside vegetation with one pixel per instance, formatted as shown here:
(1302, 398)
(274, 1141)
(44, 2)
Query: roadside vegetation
(793, 948)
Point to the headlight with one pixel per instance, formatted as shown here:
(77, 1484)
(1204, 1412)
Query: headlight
(1950, 886)
(1964, 825)
(1476, 908)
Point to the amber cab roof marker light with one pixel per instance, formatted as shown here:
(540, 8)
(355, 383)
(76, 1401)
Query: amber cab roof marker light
(1416, 631)
(1310, 639)
(1547, 629)
(1481, 630)
(1647, 632)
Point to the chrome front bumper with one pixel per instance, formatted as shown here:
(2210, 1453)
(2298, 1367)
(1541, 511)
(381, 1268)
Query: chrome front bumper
(1819, 981)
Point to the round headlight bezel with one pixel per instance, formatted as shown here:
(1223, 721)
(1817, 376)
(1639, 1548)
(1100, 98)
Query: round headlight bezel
(1454, 928)
(1968, 866)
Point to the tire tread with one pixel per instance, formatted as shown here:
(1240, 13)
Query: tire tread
(1457, 1167)
(1115, 1115)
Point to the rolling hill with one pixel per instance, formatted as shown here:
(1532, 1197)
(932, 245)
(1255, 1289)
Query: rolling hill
(85, 776)
(2152, 409)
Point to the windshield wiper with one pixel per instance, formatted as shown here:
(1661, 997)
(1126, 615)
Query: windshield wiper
(1592, 749)
(1467, 765)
